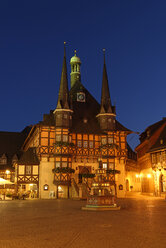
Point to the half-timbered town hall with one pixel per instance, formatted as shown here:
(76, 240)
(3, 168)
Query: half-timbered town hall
(59, 155)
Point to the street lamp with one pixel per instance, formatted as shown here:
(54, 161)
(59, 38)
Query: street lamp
(7, 172)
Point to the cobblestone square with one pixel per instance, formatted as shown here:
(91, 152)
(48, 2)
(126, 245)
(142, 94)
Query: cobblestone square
(62, 223)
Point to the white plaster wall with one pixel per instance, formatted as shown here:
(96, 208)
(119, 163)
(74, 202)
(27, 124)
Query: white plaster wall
(120, 178)
(134, 181)
(46, 177)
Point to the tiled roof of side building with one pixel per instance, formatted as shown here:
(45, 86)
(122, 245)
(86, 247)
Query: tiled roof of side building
(120, 127)
(29, 157)
(160, 142)
(10, 145)
(150, 130)
(48, 119)
(130, 153)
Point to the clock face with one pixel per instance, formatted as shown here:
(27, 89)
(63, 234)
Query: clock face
(81, 97)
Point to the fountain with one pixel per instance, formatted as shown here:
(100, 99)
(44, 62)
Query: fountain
(102, 194)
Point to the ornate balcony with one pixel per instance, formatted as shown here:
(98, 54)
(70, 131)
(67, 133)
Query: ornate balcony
(62, 179)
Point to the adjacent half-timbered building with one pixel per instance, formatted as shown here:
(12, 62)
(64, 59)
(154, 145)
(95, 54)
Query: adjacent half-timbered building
(62, 152)
(151, 154)
(10, 152)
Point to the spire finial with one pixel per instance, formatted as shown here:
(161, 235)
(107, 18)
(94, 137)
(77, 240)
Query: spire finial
(104, 54)
(64, 48)
(75, 51)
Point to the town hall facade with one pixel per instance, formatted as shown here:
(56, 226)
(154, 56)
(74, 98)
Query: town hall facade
(59, 156)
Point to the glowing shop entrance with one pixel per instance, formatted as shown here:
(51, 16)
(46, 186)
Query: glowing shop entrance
(29, 190)
(60, 192)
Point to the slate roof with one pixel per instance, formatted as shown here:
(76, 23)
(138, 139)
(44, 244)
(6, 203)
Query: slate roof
(150, 130)
(87, 110)
(160, 142)
(130, 153)
(10, 145)
(29, 157)
(48, 119)
(82, 111)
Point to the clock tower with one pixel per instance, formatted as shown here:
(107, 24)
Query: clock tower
(75, 74)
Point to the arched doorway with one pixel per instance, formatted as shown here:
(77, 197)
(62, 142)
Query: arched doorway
(82, 170)
(60, 192)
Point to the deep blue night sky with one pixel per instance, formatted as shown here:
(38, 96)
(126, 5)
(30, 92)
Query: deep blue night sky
(31, 54)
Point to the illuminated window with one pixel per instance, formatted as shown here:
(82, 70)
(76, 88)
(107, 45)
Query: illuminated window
(85, 144)
(103, 140)
(110, 140)
(111, 166)
(28, 169)
(65, 116)
(65, 138)
(57, 164)
(64, 164)
(104, 165)
(91, 144)
(58, 137)
(79, 143)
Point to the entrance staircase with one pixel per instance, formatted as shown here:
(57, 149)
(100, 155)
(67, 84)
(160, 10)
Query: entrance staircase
(79, 190)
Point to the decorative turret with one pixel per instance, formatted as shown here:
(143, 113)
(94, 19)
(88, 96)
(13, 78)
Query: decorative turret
(107, 113)
(63, 112)
(75, 74)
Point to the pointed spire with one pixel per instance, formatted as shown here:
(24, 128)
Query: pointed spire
(63, 97)
(66, 104)
(105, 94)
